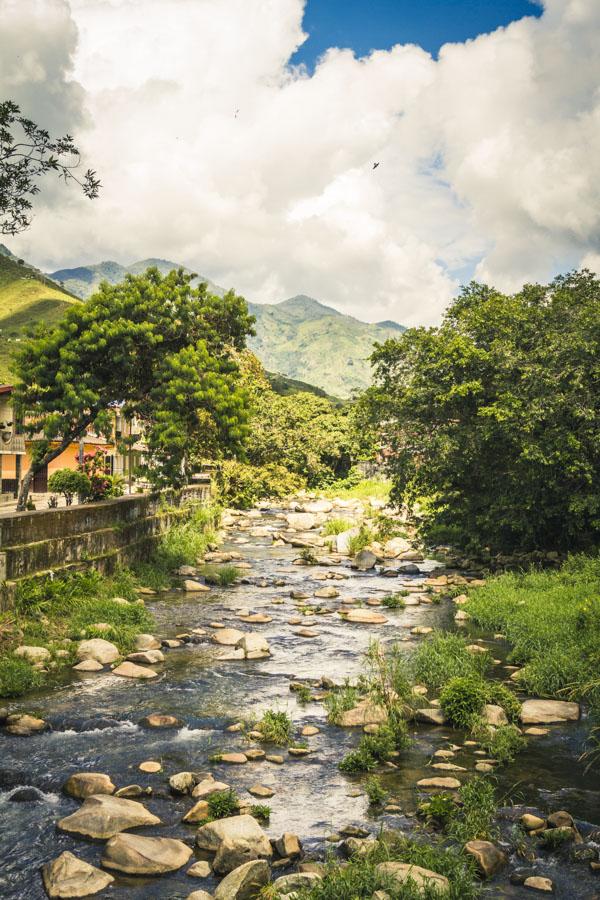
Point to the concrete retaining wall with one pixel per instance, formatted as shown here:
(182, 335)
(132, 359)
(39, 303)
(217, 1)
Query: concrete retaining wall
(105, 535)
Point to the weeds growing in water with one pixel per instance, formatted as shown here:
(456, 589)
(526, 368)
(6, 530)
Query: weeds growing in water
(337, 526)
(361, 540)
(309, 556)
(261, 812)
(463, 699)
(475, 815)
(275, 727)
(503, 743)
(223, 576)
(395, 601)
(183, 544)
(303, 694)
(17, 677)
(375, 791)
(340, 701)
(222, 805)
(374, 749)
(445, 656)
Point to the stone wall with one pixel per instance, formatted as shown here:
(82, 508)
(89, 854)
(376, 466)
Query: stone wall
(105, 535)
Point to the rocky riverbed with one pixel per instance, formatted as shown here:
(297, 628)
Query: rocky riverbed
(225, 656)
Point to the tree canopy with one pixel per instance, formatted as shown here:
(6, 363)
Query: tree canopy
(494, 417)
(153, 346)
(27, 152)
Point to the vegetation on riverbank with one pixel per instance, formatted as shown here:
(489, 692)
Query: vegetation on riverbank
(552, 621)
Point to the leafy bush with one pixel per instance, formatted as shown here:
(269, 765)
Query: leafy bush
(260, 811)
(17, 677)
(445, 656)
(439, 810)
(70, 483)
(275, 727)
(242, 485)
(222, 804)
(376, 748)
(503, 696)
(463, 699)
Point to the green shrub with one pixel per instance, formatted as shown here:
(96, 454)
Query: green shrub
(376, 748)
(476, 812)
(18, 677)
(375, 791)
(439, 810)
(303, 694)
(502, 696)
(502, 743)
(445, 656)
(356, 488)
(242, 485)
(70, 483)
(275, 727)
(463, 699)
(222, 804)
(261, 812)
(337, 526)
(340, 701)
(395, 601)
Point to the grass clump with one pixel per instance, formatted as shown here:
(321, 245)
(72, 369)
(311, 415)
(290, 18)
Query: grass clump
(375, 791)
(373, 749)
(476, 812)
(276, 728)
(359, 541)
(303, 694)
(445, 656)
(340, 701)
(395, 601)
(181, 545)
(261, 811)
(309, 556)
(353, 488)
(439, 810)
(18, 677)
(336, 526)
(548, 617)
(223, 576)
(222, 805)
(503, 743)
(463, 699)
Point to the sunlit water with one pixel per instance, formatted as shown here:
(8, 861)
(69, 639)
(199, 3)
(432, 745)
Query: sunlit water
(94, 728)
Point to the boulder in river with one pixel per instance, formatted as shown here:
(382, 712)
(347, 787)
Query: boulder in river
(146, 642)
(364, 713)
(68, 876)
(288, 885)
(130, 670)
(301, 521)
(488, 858)
(195, 587)
(424, 879)
(439, 784)
(364, 560)
(288, 846)
(24, 725)
(135, 854)
(254, 645)
(156, 720)
(146, 657)
(85, 784)
(182, 782)
(535, 712)
(494, 715)
(227, 637)
(233, 854)
(364, 617)
(208, 786)
(102, 651)
(102, 816)
(431, 715)
(245, 882)
(234, 828)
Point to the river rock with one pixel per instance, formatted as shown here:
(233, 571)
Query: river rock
(150, 766)
(254, 645)
(544, 711)
(538, 883)
(364, 713)
(130, 670)
(182, 782)
(364, 560)
(494, 715)
(68, 876)
(85, 784)
(227, 637)
(97, 648)
(488, 857)
(236, 653)
(133, 791)
(395, 546)
(138, 855)
(198, 813)
(327, 593)
(409, 569)
(531, 822)
(146, 657)
(200, 869)
(208, 786)
(24, 725)
(195, 587)
(318, 506)
(245, 882)
(288, 846)
(561, 819)
(199, 895)
(146, 642)
(233, 854)
(431, 716)
(301, 521)
(342, 540)
(288, 885)
(234, 759)
(364, 617)
(102, 816)
(424, 879)
(88, 665)
(156, 720)
(261, 790)
(234, 828)
(26, 795)
(441, 784)
(34, 654)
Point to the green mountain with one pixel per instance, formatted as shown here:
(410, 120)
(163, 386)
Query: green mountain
(306, 340)
(84, 280)
(26, 297)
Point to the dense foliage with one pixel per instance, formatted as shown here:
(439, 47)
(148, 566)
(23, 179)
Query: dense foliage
(156, 347)
(494, 417)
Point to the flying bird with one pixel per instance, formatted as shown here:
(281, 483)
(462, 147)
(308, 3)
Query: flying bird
(375, 165)
(236, 114)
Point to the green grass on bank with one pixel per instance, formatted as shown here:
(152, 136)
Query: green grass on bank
(552, 620)
(369, 488)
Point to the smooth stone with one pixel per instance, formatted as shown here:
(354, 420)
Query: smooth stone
(531, 822)
(102, 816)
(253, 644)
(149, 657)
(199, 895)
(88, 665)
(309, 731)
(538, 883)
(194, 587)
(421, 629)
(150, 767)
(233, 829)
(298, 751)
(182, 782)
(198, 813)
(432, 716)
(146, 642)
(228, 637)
(494, 715)
(68, 876)
(261, 790)
(327, 593)
(537, 732)
(236, 653)
(307, 633)
(24, 725)
(448, 767)
(288, 846)
(488, 858)
(157, 720)
(450, 784)
(245, 882)
(102, 651)
(132, 791)
(135, 854)
(542, 712)
(364, 617)
(254, 754)
(208, 786)
(364, 713)
(425, 880)
(130, 670)
(84, 784)
(364, 560)
(288, 885)
(234, 759)
(200, 869)
(275, 758)
(36, 654)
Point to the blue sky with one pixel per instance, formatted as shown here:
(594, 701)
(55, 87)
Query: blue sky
(365, 25)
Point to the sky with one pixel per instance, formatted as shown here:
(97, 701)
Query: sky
(240, 137)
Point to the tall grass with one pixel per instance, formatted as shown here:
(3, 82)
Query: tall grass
(363, 490)
(183, 544)
(445, 656)
(337, 526)
(552, 620)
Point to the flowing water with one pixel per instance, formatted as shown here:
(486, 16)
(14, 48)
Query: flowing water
(94, 727)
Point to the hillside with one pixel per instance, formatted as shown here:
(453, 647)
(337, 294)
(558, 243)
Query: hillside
(306, 340)
(26, 297)
(84, 280)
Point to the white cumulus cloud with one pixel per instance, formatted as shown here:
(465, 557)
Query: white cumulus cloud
(214, 152)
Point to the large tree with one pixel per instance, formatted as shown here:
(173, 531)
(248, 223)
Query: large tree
(494, 417)
(27, 152)
(154, 346)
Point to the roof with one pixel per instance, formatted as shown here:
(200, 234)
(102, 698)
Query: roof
(6, 388)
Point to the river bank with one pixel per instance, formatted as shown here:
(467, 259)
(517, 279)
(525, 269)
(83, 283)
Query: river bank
(95, 721)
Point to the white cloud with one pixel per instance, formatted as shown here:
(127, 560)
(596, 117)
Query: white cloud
(489, 158)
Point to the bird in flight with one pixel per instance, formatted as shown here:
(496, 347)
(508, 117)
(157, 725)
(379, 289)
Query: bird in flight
(236, 114)
(375, 165)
